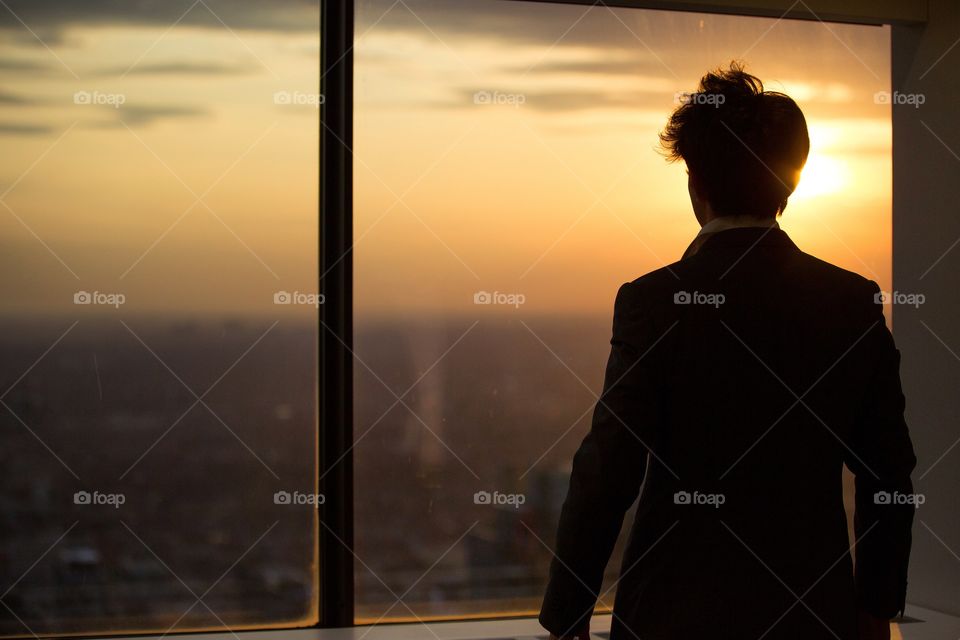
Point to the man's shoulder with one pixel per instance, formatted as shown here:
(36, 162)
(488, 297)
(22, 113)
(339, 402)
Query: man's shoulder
(807, 268)
(843, 281)
(653, 285)
(665, 276)
(829, 269)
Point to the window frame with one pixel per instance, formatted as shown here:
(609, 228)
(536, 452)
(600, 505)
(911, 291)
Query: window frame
(335, 604)
(335, 582)
(335, 528)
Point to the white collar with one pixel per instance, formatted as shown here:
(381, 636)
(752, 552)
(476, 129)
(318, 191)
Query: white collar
(722, 223)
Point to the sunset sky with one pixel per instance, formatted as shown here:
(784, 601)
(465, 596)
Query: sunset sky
(556, 191)
(101, 195)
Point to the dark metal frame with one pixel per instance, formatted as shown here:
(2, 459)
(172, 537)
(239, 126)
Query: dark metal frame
(868, 12)
(335, 436)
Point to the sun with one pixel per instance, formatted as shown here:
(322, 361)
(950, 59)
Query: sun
(822, 175)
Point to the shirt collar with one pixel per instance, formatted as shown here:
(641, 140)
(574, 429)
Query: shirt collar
(722, 223)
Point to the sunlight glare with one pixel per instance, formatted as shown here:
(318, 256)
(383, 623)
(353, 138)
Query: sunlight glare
(822, 175)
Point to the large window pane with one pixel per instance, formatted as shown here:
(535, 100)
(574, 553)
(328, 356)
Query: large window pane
(506, 185)
(158, 210)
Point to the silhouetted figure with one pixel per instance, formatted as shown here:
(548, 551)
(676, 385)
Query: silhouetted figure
(740, 380)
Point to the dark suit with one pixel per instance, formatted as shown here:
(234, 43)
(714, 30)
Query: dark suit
(735, 416)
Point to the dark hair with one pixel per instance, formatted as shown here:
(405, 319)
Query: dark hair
(744, 147)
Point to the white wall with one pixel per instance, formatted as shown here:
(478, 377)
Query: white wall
(926, 223)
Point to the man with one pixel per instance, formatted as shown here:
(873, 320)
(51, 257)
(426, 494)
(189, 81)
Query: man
(741, 379)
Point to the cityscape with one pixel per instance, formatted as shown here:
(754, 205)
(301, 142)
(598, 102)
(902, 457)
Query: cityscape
(137, 524)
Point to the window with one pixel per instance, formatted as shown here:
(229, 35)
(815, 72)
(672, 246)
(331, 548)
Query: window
(506, 184)
(159, 206)
(159, 397)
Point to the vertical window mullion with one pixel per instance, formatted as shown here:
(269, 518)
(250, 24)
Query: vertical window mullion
(335, 464)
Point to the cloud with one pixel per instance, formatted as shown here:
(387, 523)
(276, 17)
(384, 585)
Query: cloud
(24, 129)
(149, 114)
(582, 100)
(13, 99)
(515, 22)
(143, 115)
(49, 18)
(30, 66)
(565, 101)
(179, 69)
(639, 66)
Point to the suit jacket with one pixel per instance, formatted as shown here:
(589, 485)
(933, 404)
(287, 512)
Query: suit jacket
(741, 379)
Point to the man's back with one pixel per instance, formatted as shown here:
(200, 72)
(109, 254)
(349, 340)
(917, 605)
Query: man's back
(746, 374)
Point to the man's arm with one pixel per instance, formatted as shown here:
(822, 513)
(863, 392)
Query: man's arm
(607, 472)
(882, 459)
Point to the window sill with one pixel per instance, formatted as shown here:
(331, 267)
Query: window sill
(508, 629)
(922, 624)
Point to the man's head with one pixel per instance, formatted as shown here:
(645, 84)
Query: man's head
(744, 147)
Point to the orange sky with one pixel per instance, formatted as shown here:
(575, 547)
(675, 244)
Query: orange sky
(556, 193)
(106, 199)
